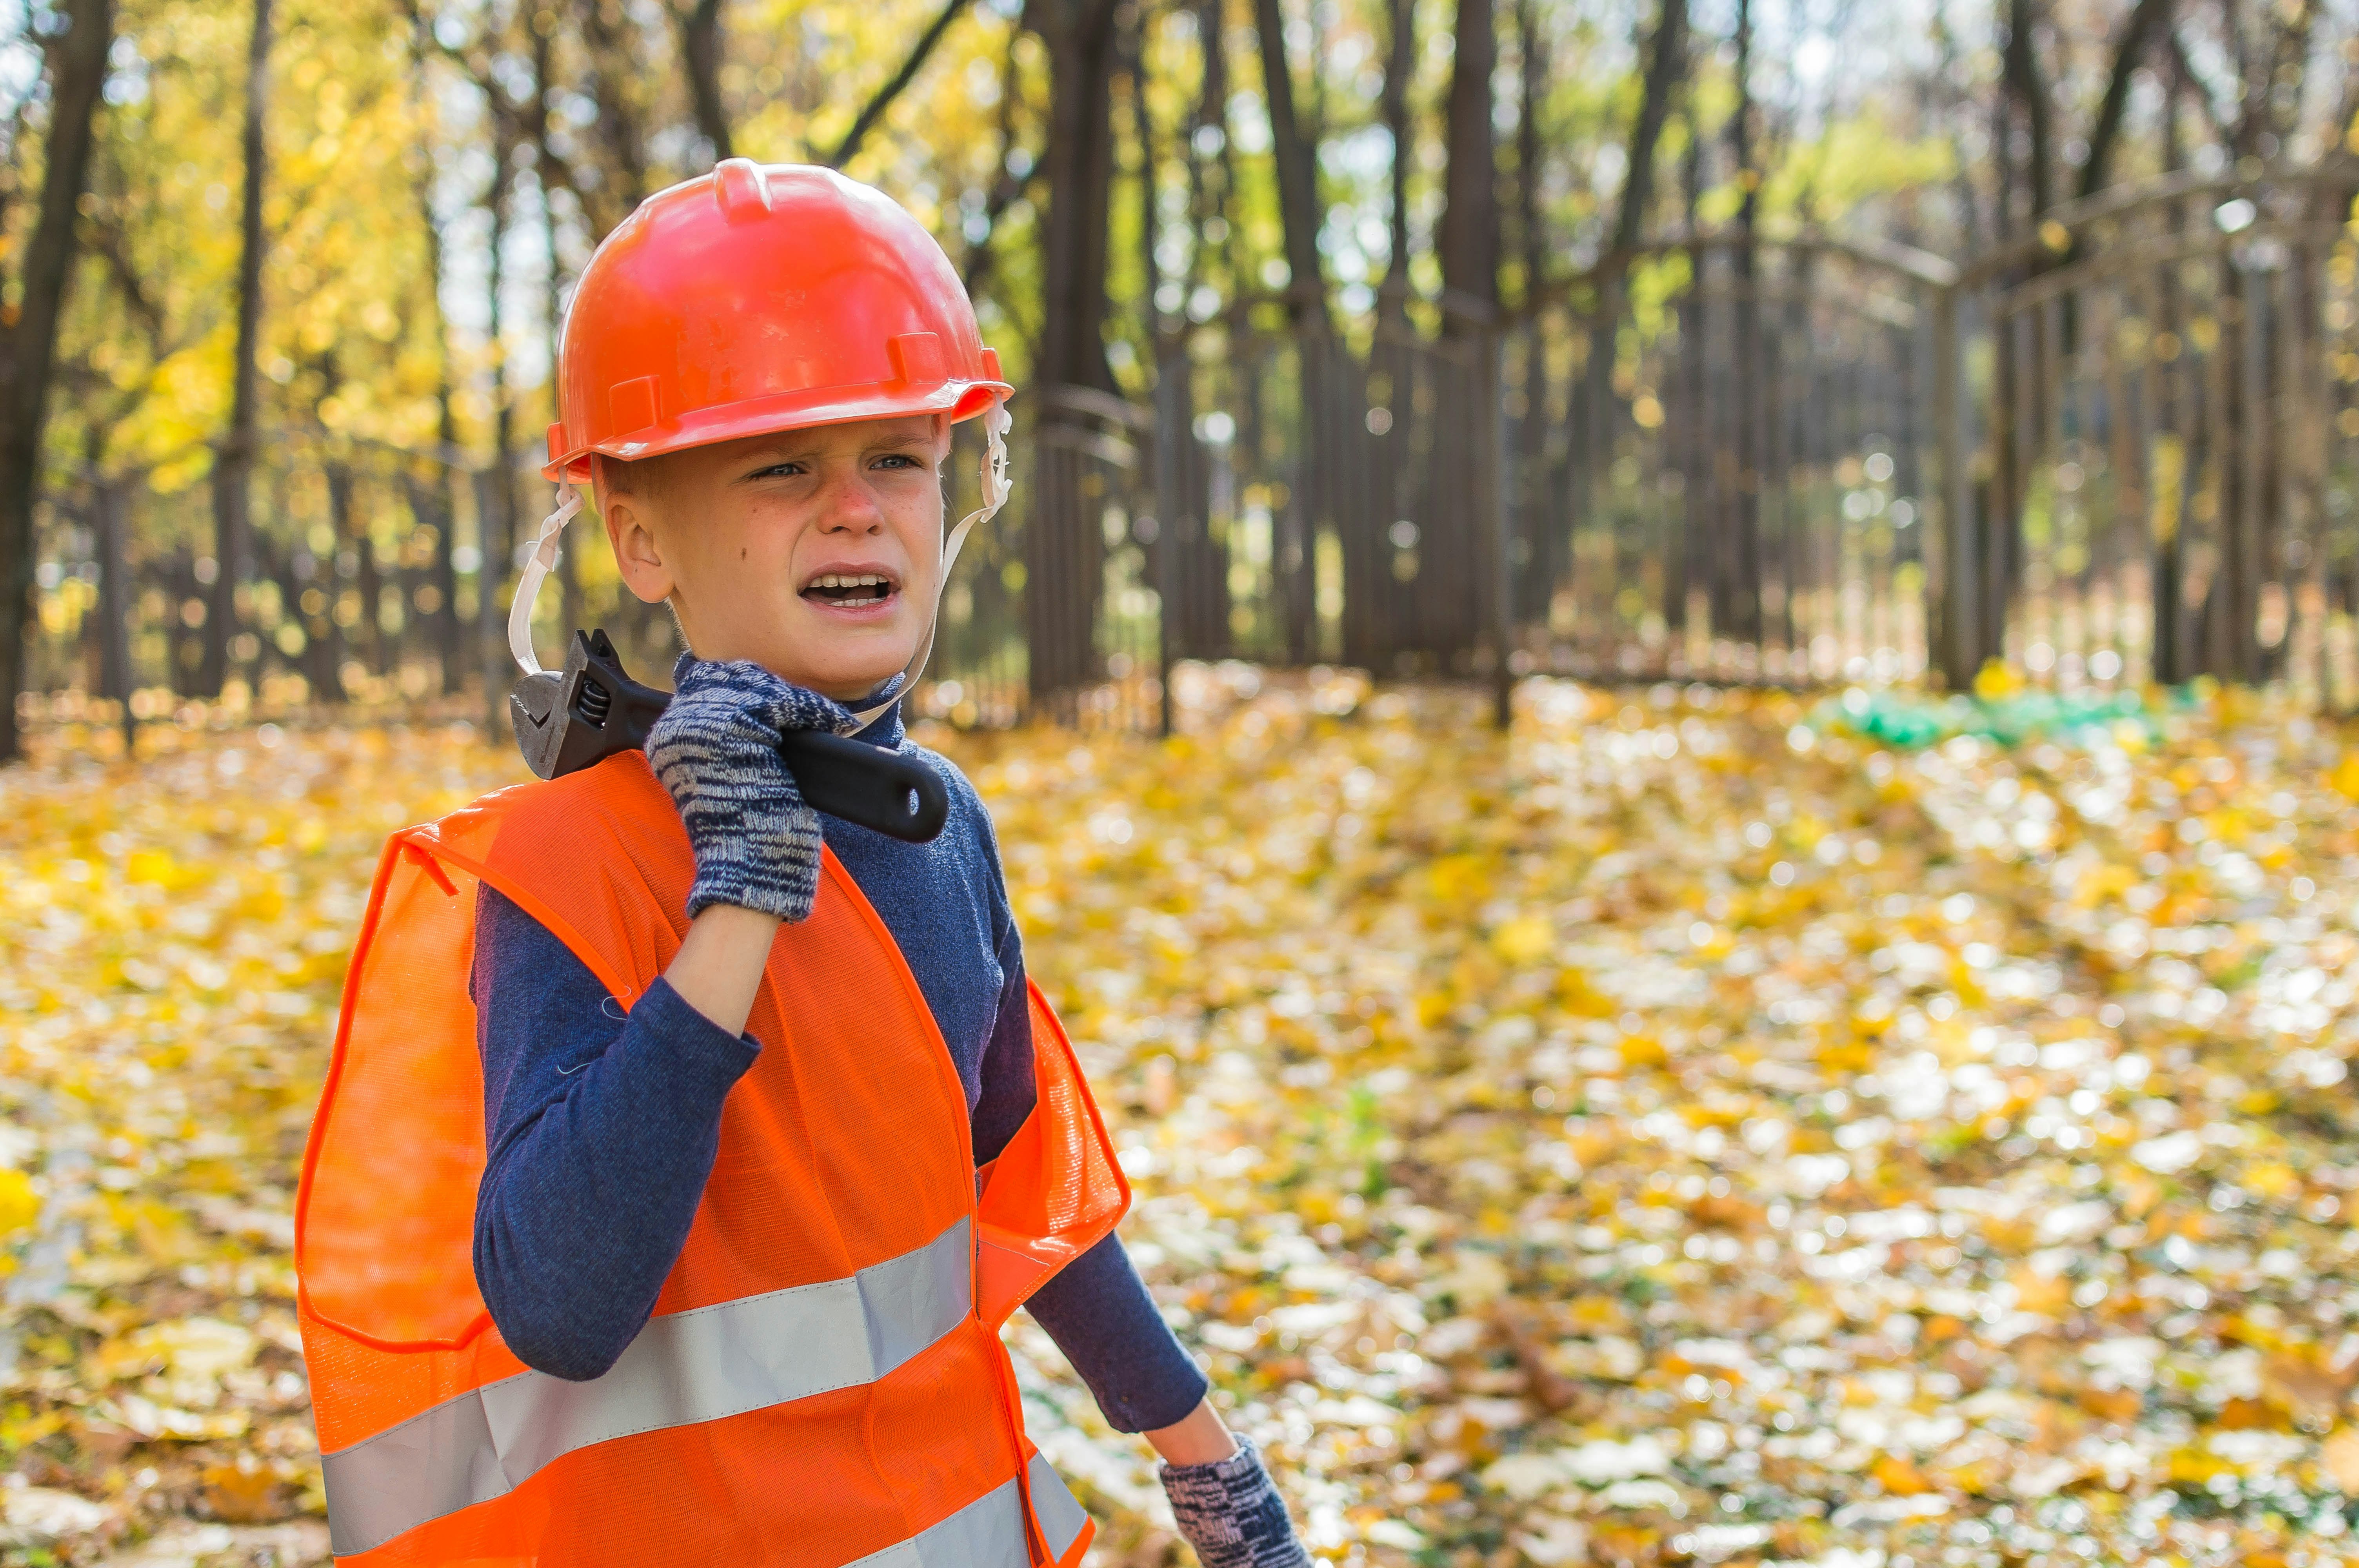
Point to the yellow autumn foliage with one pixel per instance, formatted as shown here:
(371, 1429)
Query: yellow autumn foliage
(1636, 1127)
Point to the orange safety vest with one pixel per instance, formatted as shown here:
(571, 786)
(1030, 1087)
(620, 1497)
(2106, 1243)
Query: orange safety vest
(821, 1383)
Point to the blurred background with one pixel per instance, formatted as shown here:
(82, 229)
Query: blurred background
(1749, 339)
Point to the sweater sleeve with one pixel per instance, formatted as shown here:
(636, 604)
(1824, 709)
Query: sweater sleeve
(601, 1129)
(1096, 1308)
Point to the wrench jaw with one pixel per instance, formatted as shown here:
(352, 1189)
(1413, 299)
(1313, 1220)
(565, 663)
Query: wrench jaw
(584, 714)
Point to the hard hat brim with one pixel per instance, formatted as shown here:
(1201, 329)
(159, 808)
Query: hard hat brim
(794, 411)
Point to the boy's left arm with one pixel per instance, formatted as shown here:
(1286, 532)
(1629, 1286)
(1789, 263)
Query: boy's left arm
(1098, 1310)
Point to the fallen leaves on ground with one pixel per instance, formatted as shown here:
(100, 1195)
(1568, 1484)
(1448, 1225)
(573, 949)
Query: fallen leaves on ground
(1690, 1129)
(173, 943)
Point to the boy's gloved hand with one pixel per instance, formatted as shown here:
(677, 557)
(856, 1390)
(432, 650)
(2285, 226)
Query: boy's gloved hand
(1231, 1513)
(716, 749)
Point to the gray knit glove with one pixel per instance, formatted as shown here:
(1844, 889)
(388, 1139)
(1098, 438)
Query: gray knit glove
(716, 749)
(1231, 1513)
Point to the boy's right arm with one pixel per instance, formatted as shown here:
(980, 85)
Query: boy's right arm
(602, 1131)
(718, 970)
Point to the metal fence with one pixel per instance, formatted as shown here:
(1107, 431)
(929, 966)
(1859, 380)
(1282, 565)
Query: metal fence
(2123, 448)
(2160, 469)
(1734, 489)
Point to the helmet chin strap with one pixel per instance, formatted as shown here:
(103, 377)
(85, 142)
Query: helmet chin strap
(536, 568)
(996, 423)
(994, 478)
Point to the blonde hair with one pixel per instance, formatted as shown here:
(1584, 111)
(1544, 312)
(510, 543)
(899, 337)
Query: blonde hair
(642, 477)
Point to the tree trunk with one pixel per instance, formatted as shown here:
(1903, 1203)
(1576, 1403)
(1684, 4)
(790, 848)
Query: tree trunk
(181, 656)
(1298, 171)
(1400, 70)
(2029, 86)
(700, 51)
(1080, 36)
(1459, 571)
(1063, 545)
(1374, 631)
(1744, 493)
(1310, 497)
(1164, 352)
(974, 267)
(111, 525)
(2167, 524)
(1538, 554)
(1666, 61)
(234, 467)
(77, 71)
(1692, 440)
(1531, 60)
(329, 685)
(1469, 240)
(612, 60)
(495, 507)
(549, 174)
(430, 501)
(1197, 602)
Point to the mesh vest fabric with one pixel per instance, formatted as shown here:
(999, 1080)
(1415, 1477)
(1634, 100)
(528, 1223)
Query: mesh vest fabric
(822, 1382)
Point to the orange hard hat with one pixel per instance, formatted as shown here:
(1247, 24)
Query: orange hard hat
(761, 297)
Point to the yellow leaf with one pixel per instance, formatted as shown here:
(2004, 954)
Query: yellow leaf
(1642, 1051)
(20, 1205)
(1526, 939)
(148, 866)
(2272, 1181)
(2340, 1456)
(1995, 680)
(247, 1493)
(1578, 997)
(1900, 1477)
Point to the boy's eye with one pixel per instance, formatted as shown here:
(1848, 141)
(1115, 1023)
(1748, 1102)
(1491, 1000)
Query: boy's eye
(896, 460)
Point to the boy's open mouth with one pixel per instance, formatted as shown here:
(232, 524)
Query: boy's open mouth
(849, 590)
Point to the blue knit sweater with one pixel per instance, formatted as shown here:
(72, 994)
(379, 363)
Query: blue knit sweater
(601, 1127)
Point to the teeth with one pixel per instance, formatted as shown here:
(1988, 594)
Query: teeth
(846, 579)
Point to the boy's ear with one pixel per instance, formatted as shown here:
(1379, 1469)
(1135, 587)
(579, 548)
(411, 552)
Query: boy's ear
(637, 554)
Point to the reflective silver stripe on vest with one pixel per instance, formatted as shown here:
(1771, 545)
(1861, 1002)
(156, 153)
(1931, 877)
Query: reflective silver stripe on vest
(1062, 1519)
(986, 1533)
(684, 1368)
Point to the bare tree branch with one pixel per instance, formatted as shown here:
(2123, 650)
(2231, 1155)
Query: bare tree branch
(1665, 57)
(619, 126)
(2222, 124)
(2147, 20)
(882, 99)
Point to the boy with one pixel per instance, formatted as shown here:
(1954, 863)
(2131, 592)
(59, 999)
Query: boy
(773, 1130)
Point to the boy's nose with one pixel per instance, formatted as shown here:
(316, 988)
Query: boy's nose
(849, 505)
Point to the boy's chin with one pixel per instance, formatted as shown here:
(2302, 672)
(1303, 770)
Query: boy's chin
(847, 681)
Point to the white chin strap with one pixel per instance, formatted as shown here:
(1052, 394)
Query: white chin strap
(536, 568)
(542, 561)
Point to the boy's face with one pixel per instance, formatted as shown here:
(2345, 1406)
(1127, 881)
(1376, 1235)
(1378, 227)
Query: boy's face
(813, 553)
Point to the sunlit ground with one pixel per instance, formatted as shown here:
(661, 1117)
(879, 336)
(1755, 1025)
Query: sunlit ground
(1685, 1132)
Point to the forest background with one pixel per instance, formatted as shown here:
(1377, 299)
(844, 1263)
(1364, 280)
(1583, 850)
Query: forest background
(283, 281)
